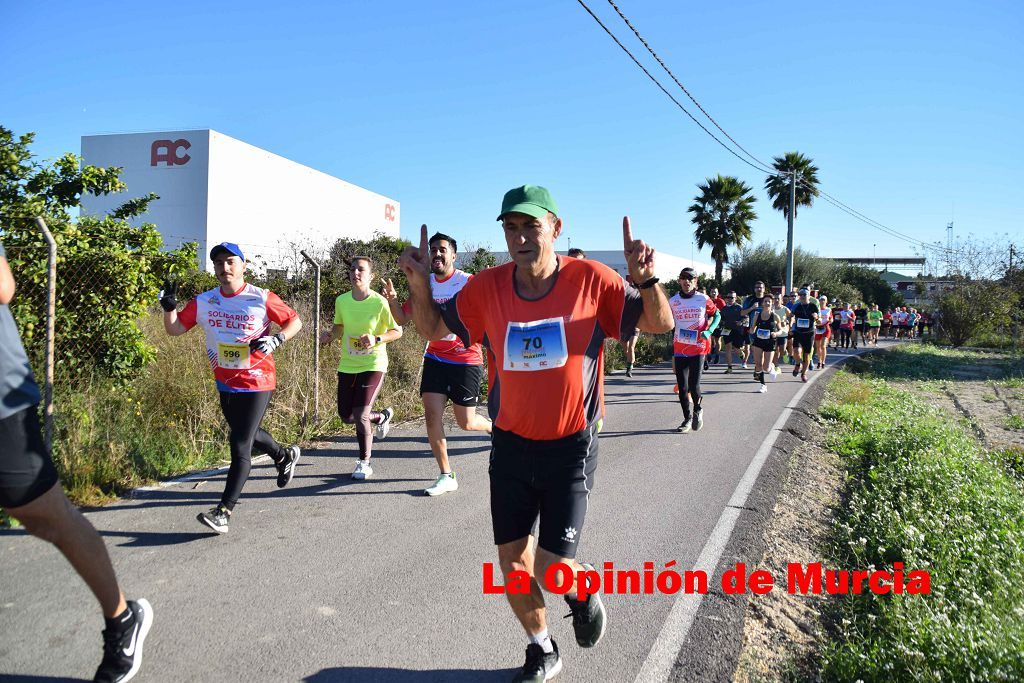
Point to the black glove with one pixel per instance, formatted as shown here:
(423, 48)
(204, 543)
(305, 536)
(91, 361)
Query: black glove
(267, 345)
(169, 295)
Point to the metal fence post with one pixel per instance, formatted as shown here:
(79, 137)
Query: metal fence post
(316, 335)
(51, 317)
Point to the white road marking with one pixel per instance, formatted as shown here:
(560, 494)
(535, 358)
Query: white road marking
(665, 650)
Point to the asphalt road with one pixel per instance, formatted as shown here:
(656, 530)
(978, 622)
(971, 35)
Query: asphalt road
(337, 580)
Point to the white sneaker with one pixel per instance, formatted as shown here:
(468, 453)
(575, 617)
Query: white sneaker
(763, 389)
(445, 483)
(362, 470)
(746, 367)
(385, 425)
(774, 374)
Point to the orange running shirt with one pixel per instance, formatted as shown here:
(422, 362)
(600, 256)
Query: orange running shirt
(545, 357)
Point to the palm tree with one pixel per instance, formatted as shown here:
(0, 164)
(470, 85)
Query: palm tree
(722, 212)
(777, 186)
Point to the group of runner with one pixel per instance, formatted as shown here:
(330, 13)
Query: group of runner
(541, 319)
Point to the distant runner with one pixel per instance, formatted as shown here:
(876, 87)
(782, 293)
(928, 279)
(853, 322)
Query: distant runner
(236, 319)
(696, 318)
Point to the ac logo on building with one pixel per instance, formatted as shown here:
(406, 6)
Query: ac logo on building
(389, 212)
(167, 152)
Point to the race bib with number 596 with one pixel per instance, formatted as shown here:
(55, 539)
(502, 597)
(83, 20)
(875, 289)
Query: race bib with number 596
(233, 356)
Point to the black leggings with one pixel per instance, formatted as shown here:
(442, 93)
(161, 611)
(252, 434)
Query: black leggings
(844, 337)
(688, 369)
(356, 394)
(244, 411)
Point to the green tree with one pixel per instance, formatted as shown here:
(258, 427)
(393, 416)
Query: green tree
(777, 185)
(108, 272)
(722, 212)
(480, 260)
(974, 308)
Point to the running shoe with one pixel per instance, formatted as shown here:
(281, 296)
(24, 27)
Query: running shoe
(728, 370)
(706, 366)
(122, 650)
(685, 426)
(774, 373)
(589, 618)
(217, 519)
(763, 389)
(286, 468)
(540, 666)
(362, 470)
(746, 366)
(385, 424)
(445, 484)
(698, 419)
(796, 370)
(675, 388)
(629, 372)
(803, 376)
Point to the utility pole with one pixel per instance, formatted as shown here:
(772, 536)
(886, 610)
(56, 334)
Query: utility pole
(789, 233)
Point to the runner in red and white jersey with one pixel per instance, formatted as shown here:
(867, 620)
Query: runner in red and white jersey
(451, 370)
(236, 319)
(543, 319)
(696, 317)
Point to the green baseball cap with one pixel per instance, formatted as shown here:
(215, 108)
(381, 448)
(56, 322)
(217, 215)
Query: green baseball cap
(533, 200)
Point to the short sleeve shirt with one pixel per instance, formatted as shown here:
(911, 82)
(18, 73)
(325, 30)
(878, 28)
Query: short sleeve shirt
(231, 323)
(692, 315)
(805, 312)
(18, 389)
(370, 316)
(546, 355)
(450, 349)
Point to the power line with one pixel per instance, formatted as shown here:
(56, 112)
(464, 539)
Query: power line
(727, 148)
(758, 164)
(681, 86)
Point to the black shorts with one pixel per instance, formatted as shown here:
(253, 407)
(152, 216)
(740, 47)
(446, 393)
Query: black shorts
(460, 383)
(551, 480)
(765, 345)
(805, 340)
(738, 339)
(780, 343)
(26, 470)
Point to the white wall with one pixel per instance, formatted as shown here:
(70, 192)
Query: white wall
(214, 188)
(263, 202)
(180, 213)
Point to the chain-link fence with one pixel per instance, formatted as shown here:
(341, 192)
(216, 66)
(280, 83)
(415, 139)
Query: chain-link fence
(129, 403)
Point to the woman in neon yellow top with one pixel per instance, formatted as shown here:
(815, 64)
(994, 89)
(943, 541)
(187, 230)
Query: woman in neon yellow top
(364, 324)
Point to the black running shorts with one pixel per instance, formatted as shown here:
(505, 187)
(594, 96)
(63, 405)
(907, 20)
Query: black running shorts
(551, 480)
(804, 340)
(26, 470)
(765, 345)
(460, 383)
(738, 339)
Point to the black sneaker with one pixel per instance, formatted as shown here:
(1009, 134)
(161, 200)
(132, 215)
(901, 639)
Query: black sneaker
(685, 426)
(122, 651)
(588, 618)
(629, 372)
(540, 666)
(698, 417)
(286, 468)
(216, 519)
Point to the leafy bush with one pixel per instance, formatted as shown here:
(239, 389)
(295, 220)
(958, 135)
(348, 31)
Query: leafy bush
(974, 308)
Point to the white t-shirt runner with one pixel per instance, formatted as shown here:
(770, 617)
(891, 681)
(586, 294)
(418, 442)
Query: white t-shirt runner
(450, 348)
(230, 323)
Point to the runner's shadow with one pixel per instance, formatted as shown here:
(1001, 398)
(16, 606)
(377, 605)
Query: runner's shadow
(15, 678)
(146, 539)
(365, 673)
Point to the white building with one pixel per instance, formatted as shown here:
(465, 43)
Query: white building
(666, 266)
(214, 188)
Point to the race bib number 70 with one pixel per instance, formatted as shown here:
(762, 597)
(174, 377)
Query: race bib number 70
(537, 345)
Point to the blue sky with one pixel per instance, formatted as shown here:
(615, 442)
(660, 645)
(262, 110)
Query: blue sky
(911, 110)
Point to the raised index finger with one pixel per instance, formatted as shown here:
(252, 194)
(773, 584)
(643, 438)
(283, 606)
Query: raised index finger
(627, 234)
(423, 239)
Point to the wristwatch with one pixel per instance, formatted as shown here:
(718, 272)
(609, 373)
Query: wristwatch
(376, 341)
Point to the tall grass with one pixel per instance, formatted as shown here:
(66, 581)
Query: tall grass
(111, 436)
(922, 491)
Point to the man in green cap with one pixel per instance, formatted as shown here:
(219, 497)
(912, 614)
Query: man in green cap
(543, 318)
